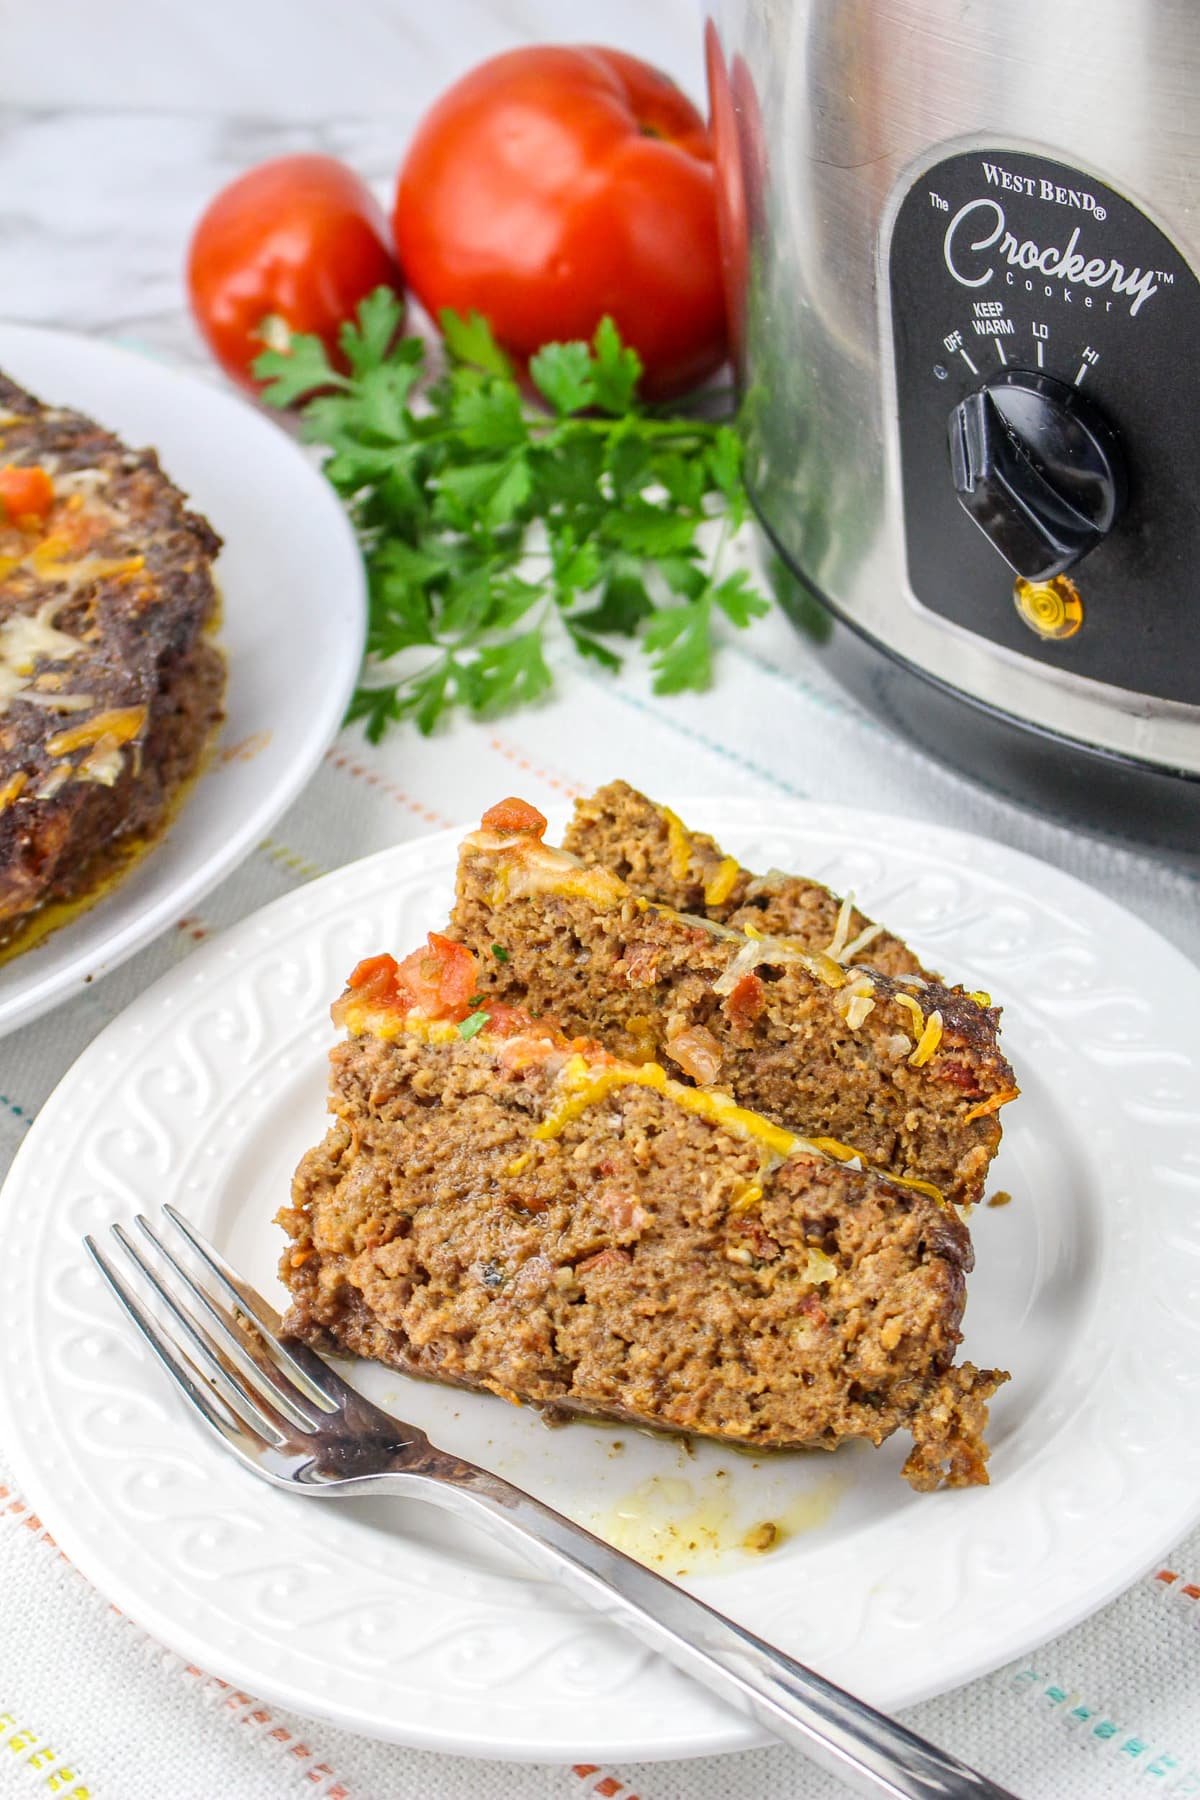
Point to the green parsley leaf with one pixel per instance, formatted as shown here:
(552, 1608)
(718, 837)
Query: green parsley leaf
(616, 371)
(724, 459)
(739, 600)
(623, 603)
(590, 646)
(473, 1024)
(366, 339)
(563, 373)
(508, 674)
(576, 566)
(648, 530)
(487, 414)
(296, 371)
(470, 341)
(489, 521)
(500, 953)
(679, 639)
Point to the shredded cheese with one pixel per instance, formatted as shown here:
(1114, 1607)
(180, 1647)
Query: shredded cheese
(910, 1006)
(26, 638)
(57, 702)
(866, 936)
(524, 866)
(721, 882)
(120, 723)
(747, 1200)
(928, 1041)
(841, 930)
(55, 779)
(921, 1187)
(12, 788)
(678, 843)
(102, 765)
(991, 1105)
(856, 1001)
(758, 949)
(837, 1151)
(582, 1084)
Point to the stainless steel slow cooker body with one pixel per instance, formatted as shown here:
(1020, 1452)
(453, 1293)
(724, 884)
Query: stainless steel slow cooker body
(944, 219)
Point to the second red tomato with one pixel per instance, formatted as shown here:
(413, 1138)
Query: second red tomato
(551, 186)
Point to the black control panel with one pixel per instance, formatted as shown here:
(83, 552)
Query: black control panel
(1046, 338)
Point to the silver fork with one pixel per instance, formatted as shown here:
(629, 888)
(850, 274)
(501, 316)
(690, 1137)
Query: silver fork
(292, 1421)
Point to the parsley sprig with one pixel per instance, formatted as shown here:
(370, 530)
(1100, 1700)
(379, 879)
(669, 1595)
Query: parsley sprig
(484, 517)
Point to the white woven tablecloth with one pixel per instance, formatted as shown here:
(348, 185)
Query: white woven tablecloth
(88, 1705)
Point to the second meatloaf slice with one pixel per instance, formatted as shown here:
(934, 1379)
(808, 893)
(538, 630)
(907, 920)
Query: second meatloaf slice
(651, 848)
(501, 1208)
(902, 1072)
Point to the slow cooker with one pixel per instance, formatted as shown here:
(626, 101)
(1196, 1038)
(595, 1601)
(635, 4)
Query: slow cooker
(960, 242)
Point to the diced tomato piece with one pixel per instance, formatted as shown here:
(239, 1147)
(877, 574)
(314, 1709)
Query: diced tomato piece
(960, 1075)
(515, 817)
(746, 1001)
(612, 1258)
(26, 493)
(641, 964)
(513, 1021)
(367, 972)
(440, 979)
(372, 981)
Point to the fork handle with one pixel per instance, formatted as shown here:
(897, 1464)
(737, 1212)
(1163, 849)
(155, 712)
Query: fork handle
(868, 1751)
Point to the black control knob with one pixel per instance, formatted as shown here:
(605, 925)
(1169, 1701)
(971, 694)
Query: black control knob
(1038, 469)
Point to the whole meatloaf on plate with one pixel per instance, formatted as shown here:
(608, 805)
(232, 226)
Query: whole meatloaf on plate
(897, 1070)
(499, 1206)
(109, 686)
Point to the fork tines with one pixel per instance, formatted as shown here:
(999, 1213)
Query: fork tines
(220, 1341)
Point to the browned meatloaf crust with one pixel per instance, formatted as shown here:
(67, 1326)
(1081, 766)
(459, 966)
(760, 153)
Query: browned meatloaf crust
(659, 856)
(109, 689)
(519, 1214)
(904, 1072)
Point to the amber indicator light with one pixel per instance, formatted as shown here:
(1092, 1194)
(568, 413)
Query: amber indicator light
(1052, 608)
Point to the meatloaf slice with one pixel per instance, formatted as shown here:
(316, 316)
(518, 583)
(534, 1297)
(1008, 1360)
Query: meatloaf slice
(659, 856)
(501, 1208)
(109, 687)
(901, 1071)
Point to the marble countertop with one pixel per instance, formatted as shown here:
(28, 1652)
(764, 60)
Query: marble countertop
(111, 146)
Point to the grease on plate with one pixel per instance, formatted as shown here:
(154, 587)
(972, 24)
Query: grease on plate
(683, 1526)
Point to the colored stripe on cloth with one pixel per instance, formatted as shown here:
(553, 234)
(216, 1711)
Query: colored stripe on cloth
(361, 771)
(529, 765)
(229, 1702)
(599, 1782)
(49, 1770)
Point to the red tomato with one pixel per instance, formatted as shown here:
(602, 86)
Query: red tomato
(299, 239)
(26, 491)
(551, 186)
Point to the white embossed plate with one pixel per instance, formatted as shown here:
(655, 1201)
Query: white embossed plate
(293, 616)
(386, 1618)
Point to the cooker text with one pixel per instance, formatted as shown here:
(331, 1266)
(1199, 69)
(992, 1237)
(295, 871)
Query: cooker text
(980, 226)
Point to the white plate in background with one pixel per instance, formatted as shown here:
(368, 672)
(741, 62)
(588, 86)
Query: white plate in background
(293, 622)
(390, 1619)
